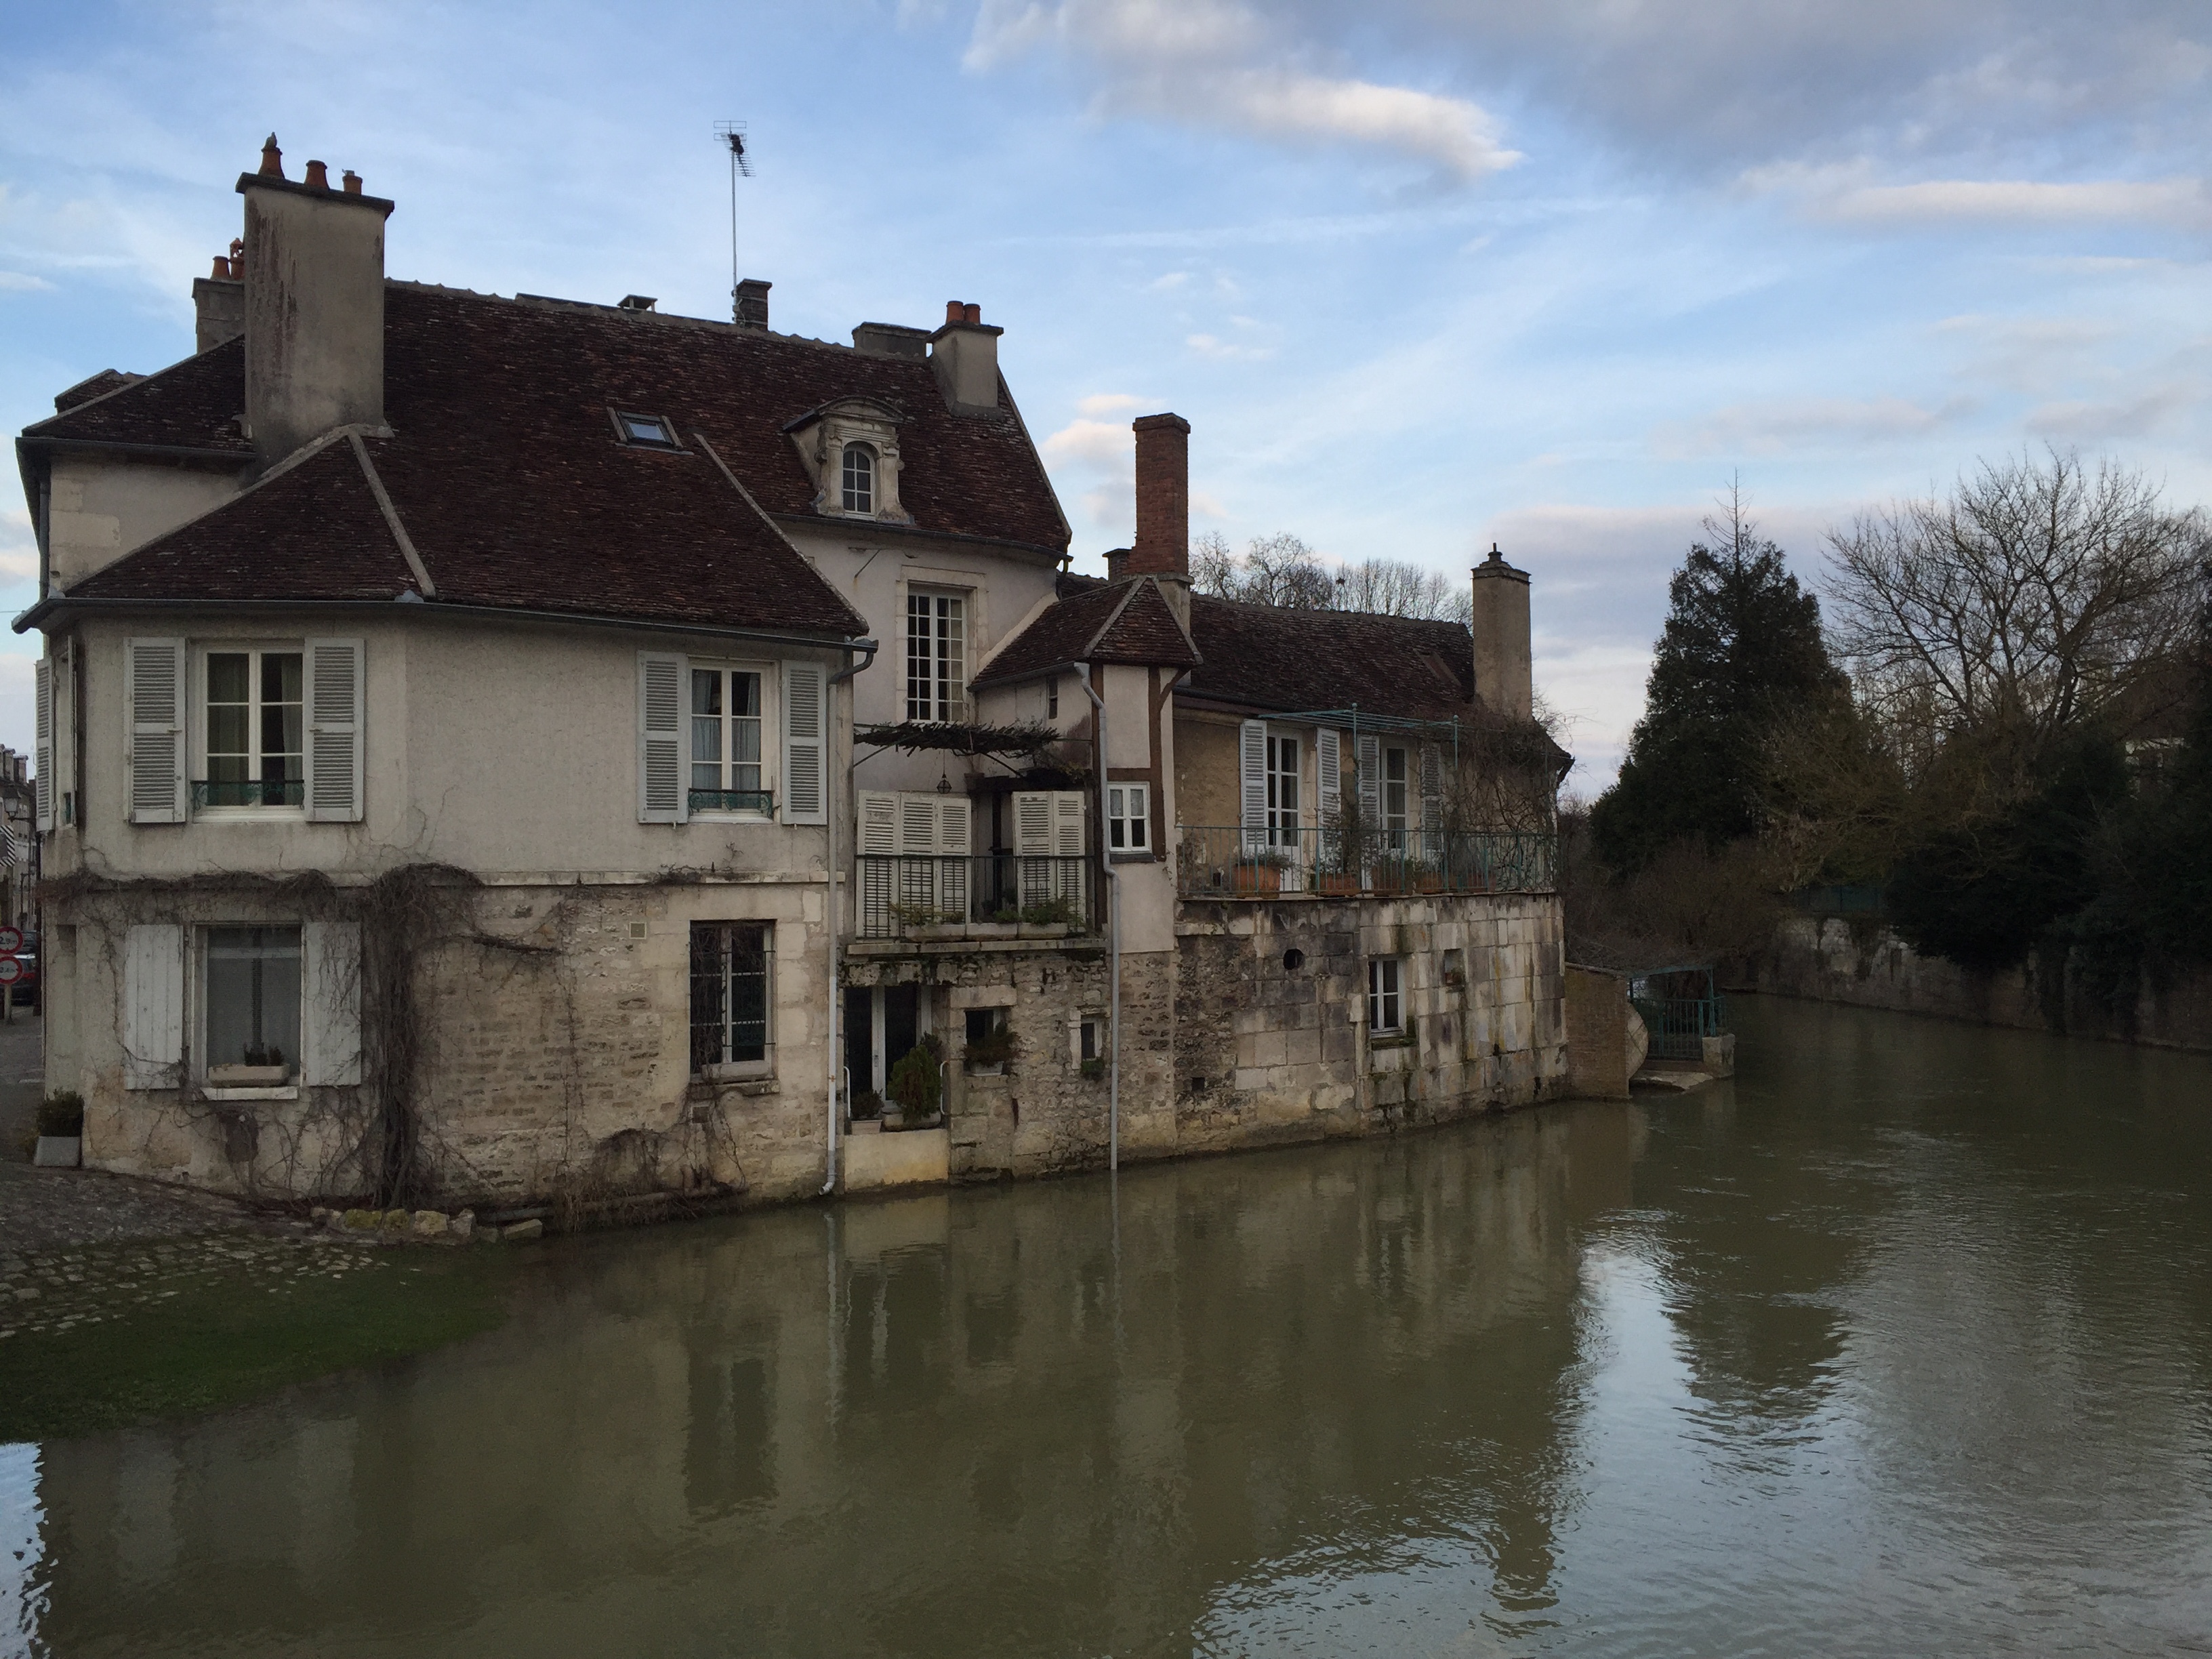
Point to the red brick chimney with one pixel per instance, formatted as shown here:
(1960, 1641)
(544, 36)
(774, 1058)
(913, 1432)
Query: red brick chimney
(1162, 546)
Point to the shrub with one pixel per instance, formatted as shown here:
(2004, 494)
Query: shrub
(915, 1084)
(62, 1112)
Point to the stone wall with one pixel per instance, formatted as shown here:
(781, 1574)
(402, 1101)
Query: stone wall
(1840, 961)
(1272, 1037)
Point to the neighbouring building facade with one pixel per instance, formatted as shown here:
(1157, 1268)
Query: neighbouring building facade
(515, 751)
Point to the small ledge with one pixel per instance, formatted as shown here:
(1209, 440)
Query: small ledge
(275, 1092)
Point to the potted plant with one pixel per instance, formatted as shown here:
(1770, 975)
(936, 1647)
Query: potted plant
(61, 1131)
(1342, 849)
(260, 1068)
(1259, 870)
(916, 1086)
(987, 1052)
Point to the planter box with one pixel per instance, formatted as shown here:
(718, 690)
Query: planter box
(59, 1152)
(1044, 930)
(995, 930)
(1339, 881)
(895, 1124)
(996, 1068)
(1258, 879)
(235, 1075)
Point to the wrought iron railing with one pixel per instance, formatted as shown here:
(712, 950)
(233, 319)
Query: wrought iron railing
(762, 801)
(898, 898)
(249, 792)
(1235, 863)
(1679, 1025)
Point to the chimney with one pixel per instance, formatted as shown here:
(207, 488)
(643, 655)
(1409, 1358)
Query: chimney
(1117, 563)
(965, 354)
(219, 303)
(313, 308)
(1503, 681)
(749, 303)
(890, 340)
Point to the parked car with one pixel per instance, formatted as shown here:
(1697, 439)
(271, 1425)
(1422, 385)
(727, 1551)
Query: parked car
(26, 989)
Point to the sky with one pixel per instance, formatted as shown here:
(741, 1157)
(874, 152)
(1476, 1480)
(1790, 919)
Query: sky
(1423, 276)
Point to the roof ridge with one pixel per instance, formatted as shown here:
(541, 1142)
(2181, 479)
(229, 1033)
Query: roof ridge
(777, 530)
(1112, 617)
(429, 588)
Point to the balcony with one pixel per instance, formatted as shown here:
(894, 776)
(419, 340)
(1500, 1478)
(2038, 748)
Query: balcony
(249, 792)
(946, 896)
(1235, 863)
(758, 803)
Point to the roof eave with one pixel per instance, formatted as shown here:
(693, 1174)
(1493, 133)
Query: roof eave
(878, 527)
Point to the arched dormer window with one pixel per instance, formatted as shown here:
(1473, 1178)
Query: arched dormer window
(859, 478)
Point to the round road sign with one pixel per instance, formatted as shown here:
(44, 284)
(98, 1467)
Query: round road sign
(11, 969)
(11, 940)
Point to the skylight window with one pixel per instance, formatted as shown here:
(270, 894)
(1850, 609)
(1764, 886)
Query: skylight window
(646, 431)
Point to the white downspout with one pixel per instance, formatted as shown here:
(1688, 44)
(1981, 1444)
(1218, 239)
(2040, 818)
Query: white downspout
(1113, 937)
(836, 1003)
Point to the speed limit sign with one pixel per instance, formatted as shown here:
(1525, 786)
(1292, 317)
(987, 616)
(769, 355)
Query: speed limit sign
(11, 940)
(11, 969)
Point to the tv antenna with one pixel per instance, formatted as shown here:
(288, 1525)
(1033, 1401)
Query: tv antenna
(732, 134)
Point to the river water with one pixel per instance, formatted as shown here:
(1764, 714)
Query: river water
(1899, 1343)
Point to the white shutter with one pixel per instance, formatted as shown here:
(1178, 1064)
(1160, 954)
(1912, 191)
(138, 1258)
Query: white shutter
(153, 1005)
(1068, 823)
(806, 794)
(917, 831)
(952, 825)
(154, 696)
(42, 782)
(335, 727)
(1371, 784)
(330, 975)
(1328, 780)
(1432, 788)
(878, 822)
(662, 797)
(1252, 773)
(1033, 817)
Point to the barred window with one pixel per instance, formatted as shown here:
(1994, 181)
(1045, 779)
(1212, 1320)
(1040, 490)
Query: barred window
(730, 971)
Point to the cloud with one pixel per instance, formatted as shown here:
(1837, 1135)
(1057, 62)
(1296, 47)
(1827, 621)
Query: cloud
(1783, 425)
(1173, 279)
(1209, 345)
(14, 282)
(2139, 416)
(1096, 443)
(1223, 64)
(19, 549)
(1105, 402)
(1837, 196)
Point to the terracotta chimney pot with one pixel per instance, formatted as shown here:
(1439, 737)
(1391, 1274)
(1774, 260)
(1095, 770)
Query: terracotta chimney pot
(954, 312)
(971, 314)
(318, 176)
(352, 182)
(222, 272)
(273, 159)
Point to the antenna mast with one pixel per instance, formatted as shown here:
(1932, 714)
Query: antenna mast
(732, 134)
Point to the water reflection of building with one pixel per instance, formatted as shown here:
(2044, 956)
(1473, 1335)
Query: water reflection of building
(1012, 1419)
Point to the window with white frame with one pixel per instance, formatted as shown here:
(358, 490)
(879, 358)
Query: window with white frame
(859, 479)
(726, 741)
(1052, 697)
(1385, 997)
(253, 999)
(1128, 817)
(256, 752)
(1395, 821)
(731, 973)
(1282, 791)
(936, 656)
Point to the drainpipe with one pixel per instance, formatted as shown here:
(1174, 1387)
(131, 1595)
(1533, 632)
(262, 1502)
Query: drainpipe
(1113, 938)
(836, 1004)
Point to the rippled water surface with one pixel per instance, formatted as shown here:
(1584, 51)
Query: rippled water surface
(1898, 1344)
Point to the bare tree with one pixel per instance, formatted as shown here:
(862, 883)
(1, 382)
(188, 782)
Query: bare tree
(1213, 569)
(1396, 587)
(2038, 595)
(1282, 570)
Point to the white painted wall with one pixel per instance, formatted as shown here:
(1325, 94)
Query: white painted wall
(99, 508)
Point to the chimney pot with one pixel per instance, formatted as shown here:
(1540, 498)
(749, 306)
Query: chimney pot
(955, 312)
(318, 176)
(273, 159)
(352, 182)
(1162, 546)
(222, 272)
(237, 255)
(971, 314)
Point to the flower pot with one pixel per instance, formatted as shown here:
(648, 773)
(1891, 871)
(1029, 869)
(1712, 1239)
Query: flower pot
(1337, 881)
(1258, 879)
(59, 1152)
(234, 1075)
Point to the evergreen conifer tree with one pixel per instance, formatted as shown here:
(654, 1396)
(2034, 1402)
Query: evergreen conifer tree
(1741, 648)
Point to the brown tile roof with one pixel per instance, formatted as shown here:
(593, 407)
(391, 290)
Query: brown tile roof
(1264, 657)
(505, 469)
(192, 405)
(1124, 622)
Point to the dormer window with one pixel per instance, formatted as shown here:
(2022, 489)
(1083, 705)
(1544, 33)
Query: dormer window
(646, 431)
(859, 479)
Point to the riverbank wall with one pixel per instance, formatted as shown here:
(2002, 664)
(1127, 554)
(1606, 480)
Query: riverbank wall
(1835, 959)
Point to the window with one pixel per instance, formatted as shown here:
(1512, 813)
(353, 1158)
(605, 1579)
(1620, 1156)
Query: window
(1393, 799)
(253, 997)
(646, 431)
(730, 994)
(1091, 1039)
(1052, 698)
(1282, 791)
(1385, 1018)
(1128, 817)
(859, 478)
(936, 656)
(256, 729)
(726, 741)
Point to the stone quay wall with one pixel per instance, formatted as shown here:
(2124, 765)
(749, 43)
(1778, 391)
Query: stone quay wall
(1835, 960)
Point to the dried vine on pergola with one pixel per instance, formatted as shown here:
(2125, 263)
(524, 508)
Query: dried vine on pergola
(912, 737)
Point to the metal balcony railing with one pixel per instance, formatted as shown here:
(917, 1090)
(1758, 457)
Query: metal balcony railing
(762, 801)
(1236, 862)
(249, 792)
(896, 898)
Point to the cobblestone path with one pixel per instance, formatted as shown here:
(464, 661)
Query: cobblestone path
(61, 1290)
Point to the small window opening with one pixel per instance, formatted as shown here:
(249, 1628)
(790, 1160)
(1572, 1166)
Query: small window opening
(1293, 960)
(1093, 1040)
(1052, 698)
(646, 431)
(1385, 1015)
(1455, 968)
(859, 478)
(983, 1023)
